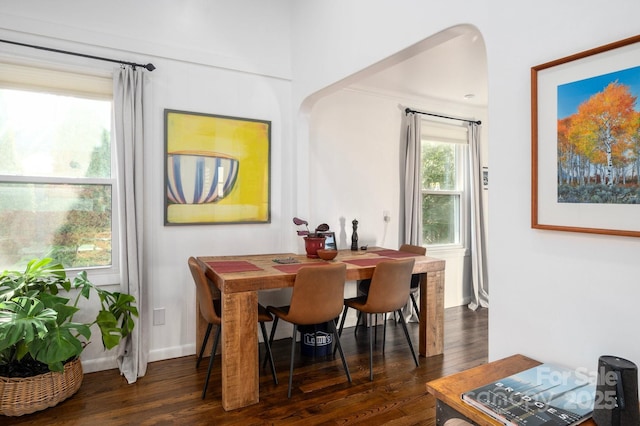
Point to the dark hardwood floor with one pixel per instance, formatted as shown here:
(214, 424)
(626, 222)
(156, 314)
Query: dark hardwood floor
(170, 391)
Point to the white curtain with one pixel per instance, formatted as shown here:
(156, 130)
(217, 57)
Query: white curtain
(479, 279)
(412, 191)
(129, 136)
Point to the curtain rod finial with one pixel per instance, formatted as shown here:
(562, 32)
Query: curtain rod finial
(150, 67)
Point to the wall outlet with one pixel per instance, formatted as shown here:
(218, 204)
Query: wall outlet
(158, 316)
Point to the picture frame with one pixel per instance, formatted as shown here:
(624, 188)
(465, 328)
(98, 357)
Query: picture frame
(577, 183)
(217, 169)
(330, 242)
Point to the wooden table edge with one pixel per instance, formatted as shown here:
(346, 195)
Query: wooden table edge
(448, 389)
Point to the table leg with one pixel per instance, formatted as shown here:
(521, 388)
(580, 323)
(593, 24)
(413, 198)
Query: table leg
(431, 313)
(240, 381)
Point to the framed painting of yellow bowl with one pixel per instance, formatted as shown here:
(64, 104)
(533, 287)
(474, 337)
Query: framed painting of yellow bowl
(217, 169)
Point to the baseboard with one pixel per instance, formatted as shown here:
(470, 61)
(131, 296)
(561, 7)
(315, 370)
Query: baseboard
(110, 362)
(99, 364)
(172, 352)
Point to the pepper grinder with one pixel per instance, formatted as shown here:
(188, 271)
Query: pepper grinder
(354, 236)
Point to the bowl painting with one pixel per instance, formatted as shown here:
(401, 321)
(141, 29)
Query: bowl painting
(327, 254)
(200, 177)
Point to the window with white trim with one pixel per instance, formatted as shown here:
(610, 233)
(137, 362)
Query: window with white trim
(58, 192)
(444, 184)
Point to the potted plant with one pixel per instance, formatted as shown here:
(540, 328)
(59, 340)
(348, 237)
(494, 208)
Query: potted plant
(313, 241)
(40, 342)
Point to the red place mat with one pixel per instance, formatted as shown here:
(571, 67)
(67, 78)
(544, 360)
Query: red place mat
(294, 267)
(228, 266)
(394, 253)
(367, 262)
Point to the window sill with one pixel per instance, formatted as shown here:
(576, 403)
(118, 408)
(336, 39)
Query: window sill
(453, 250)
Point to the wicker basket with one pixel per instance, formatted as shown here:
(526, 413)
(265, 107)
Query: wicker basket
(20, 396)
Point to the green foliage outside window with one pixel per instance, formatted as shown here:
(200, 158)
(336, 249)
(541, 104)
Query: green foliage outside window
(49, 146)
(440, 202)
(438, 166)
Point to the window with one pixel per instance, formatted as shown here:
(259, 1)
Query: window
(57, 173)
(443, 173)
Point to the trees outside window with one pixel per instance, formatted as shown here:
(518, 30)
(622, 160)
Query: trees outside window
(57, 179)
(443, 191)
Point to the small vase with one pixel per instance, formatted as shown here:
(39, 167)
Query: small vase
(312, 245)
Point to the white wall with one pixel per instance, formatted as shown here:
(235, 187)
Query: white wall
(558, 297)
(222, 57)
(354, 152)
(554, 296)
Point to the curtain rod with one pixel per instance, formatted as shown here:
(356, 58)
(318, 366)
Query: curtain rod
(409, 110)
(148, 67)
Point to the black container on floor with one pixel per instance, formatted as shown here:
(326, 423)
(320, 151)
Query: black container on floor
(316, 340)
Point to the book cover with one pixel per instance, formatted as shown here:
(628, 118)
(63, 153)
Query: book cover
(547, 395)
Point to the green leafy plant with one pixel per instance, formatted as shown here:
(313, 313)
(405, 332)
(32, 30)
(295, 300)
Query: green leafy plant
(36, 317)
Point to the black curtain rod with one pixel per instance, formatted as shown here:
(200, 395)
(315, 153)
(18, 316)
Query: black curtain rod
(148, 67)
(409, 110)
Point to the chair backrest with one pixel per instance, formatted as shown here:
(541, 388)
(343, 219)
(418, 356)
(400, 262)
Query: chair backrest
(390, 284)
(203, 292)
(318, 294)
(415, 279)
(413, 249)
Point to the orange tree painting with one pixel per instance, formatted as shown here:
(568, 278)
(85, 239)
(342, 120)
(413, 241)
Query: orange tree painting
(217, 169)
(599, 139)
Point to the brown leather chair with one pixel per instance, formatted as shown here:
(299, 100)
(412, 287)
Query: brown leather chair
(388, 292)
(317, 298)
(211, 311)
(363, 285)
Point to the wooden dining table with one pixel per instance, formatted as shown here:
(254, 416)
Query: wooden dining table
(239, 278)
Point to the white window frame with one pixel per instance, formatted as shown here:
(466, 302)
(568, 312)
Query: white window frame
(436, 131)
(83, 84)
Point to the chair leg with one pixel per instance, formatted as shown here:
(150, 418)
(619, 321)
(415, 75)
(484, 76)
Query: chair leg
(415, 305)
(406, 333)
(375, 330)
(355, 330)
(293, 355)
(344, 315)
(268, 354)
(273, 333)
(339, 346)
(369, 333)
(384, 332)
(204, 344)
(273, 329)
(213, 355)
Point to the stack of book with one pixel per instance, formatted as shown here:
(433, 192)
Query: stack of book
(547, 395)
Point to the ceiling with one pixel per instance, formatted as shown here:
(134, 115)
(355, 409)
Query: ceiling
(449, 67)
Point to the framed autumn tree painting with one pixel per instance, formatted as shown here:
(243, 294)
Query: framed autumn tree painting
(585, 116)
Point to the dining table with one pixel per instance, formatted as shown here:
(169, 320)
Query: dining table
(238, 280)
